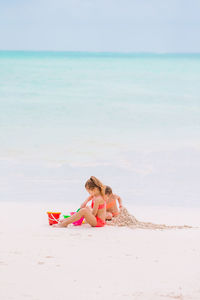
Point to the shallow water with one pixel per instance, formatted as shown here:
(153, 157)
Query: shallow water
(131, 119)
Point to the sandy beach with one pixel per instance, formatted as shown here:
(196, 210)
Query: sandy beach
(96, 96)
(40, 262)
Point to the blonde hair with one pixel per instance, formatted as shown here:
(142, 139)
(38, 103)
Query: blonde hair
(93, 183)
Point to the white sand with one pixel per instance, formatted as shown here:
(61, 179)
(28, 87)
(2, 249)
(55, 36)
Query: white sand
(42, 263)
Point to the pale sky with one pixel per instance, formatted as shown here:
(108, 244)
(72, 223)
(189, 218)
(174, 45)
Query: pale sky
(103, 25)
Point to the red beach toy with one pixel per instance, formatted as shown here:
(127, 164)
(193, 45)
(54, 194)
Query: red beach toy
(53, 217)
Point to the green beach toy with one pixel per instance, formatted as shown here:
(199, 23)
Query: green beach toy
(66, 216)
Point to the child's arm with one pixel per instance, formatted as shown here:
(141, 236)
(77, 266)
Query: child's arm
(86, 202)
(119, 200)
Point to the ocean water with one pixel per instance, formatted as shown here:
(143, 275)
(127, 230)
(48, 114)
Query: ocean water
(133, 120)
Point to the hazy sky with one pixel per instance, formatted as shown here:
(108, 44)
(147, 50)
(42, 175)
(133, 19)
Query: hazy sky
(100, 25)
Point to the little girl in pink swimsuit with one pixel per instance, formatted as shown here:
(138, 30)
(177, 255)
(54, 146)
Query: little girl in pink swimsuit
(95, 216)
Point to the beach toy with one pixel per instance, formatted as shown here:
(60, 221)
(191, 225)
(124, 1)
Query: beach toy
(53, 217)
(79, 222)
(66, 216)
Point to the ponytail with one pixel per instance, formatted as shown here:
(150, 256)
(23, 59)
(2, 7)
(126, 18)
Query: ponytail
(93, 182)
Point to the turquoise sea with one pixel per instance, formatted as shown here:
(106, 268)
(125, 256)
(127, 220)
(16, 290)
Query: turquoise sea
(133, 120)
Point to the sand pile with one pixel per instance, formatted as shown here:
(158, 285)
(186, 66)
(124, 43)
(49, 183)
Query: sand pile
(126, 219)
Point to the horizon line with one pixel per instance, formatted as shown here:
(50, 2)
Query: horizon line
(99, 52)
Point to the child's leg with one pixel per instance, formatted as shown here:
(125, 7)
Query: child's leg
(83, 212)
(108, 216)
(90, 209)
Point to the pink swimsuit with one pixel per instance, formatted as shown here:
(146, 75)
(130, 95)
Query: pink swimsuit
(100, 222)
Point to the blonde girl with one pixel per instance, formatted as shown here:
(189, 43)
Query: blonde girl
(97, 215)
